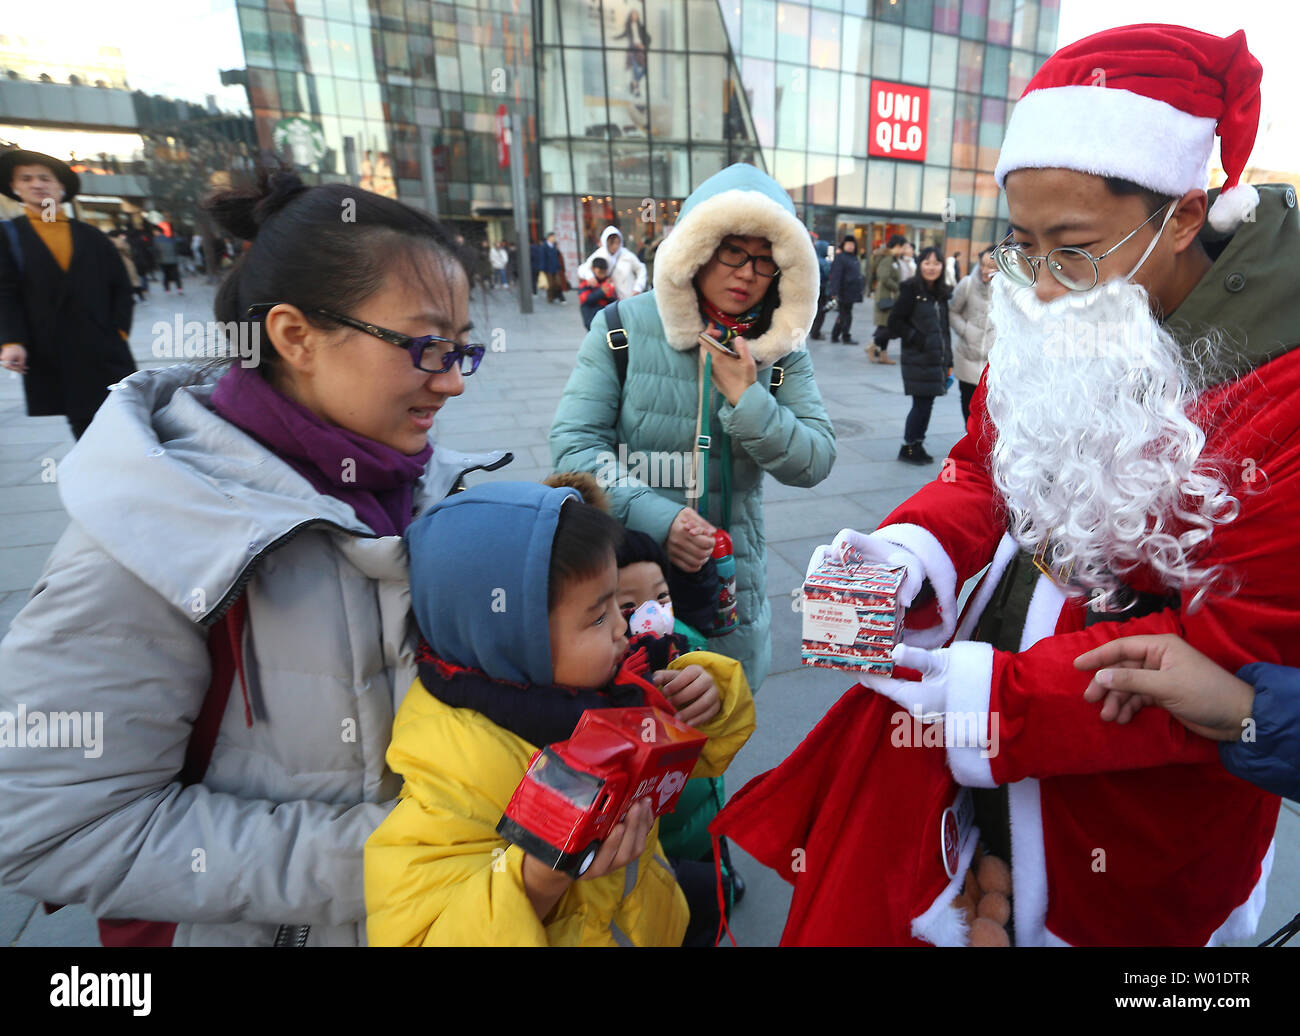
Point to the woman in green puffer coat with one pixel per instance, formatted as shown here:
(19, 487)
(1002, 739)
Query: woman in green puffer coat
(740, 265)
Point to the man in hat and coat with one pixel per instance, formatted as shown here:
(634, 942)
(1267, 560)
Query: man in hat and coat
(65, 295)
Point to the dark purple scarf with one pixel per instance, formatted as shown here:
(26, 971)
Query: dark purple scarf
(381, 483)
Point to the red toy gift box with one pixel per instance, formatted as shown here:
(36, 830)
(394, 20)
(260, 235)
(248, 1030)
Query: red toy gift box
(575, 791)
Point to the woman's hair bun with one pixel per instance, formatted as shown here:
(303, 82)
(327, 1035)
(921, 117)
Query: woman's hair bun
(242, 211)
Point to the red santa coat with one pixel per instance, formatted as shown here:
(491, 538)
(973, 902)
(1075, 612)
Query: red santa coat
(1128, 834)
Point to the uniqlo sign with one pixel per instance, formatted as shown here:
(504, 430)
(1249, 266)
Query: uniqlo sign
(899, 117)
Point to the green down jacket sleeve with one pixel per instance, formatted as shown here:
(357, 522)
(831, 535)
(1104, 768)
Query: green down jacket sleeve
(584, 437)
(787, 432)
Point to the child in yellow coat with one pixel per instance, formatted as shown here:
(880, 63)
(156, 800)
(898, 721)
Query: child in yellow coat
(513, 587)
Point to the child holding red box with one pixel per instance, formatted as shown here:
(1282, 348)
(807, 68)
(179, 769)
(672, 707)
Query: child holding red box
(522, 638)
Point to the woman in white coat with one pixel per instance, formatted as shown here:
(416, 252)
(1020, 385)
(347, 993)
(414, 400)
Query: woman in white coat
(972, 338)
(227, 612)
(625, 269)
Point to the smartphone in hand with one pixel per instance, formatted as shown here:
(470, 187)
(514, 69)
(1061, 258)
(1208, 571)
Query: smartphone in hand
(708, 339)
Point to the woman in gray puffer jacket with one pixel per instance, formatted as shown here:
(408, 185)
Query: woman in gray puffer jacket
(972, 331)
(226, 617)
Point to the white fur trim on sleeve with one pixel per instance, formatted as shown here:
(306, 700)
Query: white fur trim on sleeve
(970, 732)
(939, 570)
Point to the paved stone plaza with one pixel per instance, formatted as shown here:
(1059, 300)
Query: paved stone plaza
(509, 404)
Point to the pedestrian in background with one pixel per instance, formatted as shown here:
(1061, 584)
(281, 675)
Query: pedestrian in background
(887, 275)
(625, 269)
(952, 270)
(825, 258)
(65, 295)
(118, 237)
(499, 258)
(907, 261)
(972, 336)
(168, 255)
(553, 267)
(920, 319)
(845, 285)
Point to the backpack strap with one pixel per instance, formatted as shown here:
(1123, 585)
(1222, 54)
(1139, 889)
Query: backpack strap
(616, 339)
(778, 373)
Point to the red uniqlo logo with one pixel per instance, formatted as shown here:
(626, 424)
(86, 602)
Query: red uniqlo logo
(899, 117)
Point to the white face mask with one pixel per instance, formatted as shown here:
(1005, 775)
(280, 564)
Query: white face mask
(652, 617)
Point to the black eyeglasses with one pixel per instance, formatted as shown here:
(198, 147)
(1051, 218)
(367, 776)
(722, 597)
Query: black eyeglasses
(736, 257)
(426, 351)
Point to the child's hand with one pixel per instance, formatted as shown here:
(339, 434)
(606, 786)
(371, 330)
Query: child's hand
(1165, 670)
(691, 692)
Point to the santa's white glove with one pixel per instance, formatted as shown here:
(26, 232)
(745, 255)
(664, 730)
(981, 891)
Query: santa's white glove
(874, 548)
(930, 693)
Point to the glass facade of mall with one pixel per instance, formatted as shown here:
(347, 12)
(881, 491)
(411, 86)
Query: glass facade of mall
(628, 104)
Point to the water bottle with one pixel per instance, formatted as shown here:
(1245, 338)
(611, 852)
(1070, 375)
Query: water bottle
(726, 620)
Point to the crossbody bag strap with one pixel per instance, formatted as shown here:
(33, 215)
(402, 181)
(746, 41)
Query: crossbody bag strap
(616, 339)
(703, 440)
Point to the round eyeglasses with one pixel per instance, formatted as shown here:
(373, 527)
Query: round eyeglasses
(1073, 267)
(429, 353)
(736, 257)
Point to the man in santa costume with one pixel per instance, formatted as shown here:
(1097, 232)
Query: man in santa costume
(1131, 466)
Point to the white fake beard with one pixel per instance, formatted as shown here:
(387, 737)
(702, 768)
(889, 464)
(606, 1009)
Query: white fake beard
(1095, 455)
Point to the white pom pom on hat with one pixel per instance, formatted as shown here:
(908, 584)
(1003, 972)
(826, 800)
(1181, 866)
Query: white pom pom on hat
(1143, 102)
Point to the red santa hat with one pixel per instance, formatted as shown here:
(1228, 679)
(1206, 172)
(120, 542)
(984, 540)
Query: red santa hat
(1143, 102)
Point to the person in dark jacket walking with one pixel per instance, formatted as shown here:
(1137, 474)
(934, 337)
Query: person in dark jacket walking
(886, 276)
(65, 296)
(553, 267)
(1256, 713)
(846, 285)
(920, 319)
(825, 259)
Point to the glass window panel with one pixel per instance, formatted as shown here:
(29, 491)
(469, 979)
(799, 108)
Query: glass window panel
(367, 44)
(731, 19)
(397, 56)
(938, 146)
(947, 15)
(401, 103)
(880, 184)
(1049, 12)
(1024, 24)
(322, 88)
(916, 56)
(1004, 214)
(918, 13)
(672, 177)
(1020, 69)
(351, 101)
(790, 172)
(627, 92)
(907, 186)
(665, 22)
(993, 114)
(447, 63)
(983, 233)
(373, 101)
(792, 106)
(824, 40)
(851, 183)
(856, 50)
(758, 28)
(556, 175)
(317, 45)
(257, 36)
(970, 66)
(551, 99)
(857, 8)
(707, 30)
(417, 15)
(340, 9)
(823, 120)
(262, 90)
(887, 53)
(999, 29)
(887, 11)
(343, 49)
(705, 161)
(996, 60)
(291, 99)
(965, 129)
(708, 95)
(974, 17)
(961, 189)
(934, 189)
(584, 74)
(791, 33)
(760, 87)
(830, 5)
(421, 51)
(284, 42)
(665, 80)
(310, 8)
(821, 178)
(591, 167)
(986, 196)
(471, 69)
(943, 61)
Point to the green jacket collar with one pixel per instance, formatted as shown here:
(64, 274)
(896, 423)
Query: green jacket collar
(1249, 295)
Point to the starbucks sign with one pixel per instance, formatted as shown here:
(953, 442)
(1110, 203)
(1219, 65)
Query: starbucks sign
(304, 140)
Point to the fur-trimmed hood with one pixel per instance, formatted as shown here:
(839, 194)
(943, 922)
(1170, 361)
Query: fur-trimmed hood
(739, 200)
